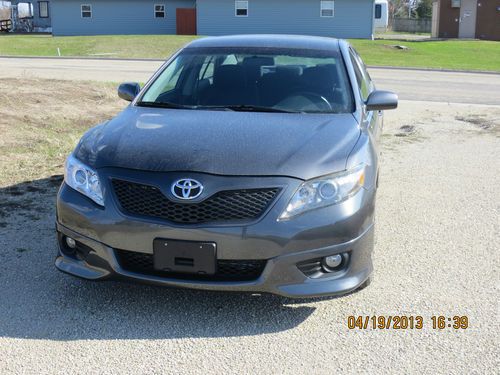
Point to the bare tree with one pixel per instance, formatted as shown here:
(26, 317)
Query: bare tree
(403, 8)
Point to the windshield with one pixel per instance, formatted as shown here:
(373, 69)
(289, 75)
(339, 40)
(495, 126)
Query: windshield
(253, 79)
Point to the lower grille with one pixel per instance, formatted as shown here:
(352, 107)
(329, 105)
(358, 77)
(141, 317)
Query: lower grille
(224, 206)
(227, 270)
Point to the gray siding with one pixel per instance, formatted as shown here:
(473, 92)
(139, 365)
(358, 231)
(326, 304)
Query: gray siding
(353, 18)
(115, 17)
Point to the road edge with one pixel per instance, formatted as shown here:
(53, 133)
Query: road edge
(163, 60)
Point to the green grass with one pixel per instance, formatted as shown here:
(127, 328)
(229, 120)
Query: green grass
(127, 46)
(449, 54)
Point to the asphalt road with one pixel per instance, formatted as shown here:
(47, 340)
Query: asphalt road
(421, 85)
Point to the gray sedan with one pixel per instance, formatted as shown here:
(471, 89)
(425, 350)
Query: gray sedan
(246, 163)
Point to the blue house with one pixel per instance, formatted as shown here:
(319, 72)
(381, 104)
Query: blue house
(335, 18)
(37, 19)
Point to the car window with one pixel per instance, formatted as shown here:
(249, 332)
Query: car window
(230, 60)
(362, 76)
(207, 69)
(364, 70)
(279, 78)
(166, 82)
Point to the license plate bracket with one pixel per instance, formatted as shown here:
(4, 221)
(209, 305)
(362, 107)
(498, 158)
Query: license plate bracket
(184, 256)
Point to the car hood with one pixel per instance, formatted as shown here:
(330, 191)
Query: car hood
(222, 142)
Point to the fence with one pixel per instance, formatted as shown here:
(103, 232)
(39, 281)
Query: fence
(5, 25)
(419, 25)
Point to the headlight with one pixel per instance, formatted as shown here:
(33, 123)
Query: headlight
(325, 191)
(83, 179)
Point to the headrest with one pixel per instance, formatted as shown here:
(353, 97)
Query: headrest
(258, 61)
(324, 76)
(229, 76)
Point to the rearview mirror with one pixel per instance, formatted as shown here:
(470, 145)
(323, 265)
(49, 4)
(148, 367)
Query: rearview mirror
(128, 90)
(380, 100)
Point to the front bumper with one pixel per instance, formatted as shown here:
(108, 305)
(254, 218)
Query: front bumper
(343, 228)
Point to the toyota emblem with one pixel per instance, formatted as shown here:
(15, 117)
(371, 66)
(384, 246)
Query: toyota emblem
(187, 188)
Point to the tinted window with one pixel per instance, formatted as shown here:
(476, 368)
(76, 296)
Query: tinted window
(378, 11)
(285, 79)
(362, 77)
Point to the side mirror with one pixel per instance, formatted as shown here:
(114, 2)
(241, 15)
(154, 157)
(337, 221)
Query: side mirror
(380, 100)
(128, 90)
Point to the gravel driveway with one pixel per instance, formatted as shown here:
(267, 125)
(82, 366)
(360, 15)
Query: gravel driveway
(436, 253)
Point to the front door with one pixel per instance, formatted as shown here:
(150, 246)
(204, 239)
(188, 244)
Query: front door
(467, 26)
(186, 21)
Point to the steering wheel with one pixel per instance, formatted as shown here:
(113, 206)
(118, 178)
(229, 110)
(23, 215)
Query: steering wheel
(316, 99)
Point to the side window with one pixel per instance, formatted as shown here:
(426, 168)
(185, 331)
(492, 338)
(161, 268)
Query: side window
(207, 70)
(230, 60)
(378, 11)
(167, 81)
(364, 81)
(363, 69)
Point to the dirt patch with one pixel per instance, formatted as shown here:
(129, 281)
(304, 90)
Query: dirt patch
(482, 122)
(42, 123)
(406, 131)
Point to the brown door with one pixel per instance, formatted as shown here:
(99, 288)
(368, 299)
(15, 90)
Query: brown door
(186, 21)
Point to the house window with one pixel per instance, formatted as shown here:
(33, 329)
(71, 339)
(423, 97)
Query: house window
(327, 8)
(159, 10)
(378, 11)
(43, 9)
(241, 8)
(86, 11)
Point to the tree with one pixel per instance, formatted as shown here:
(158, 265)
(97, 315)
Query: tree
(424, 9)
(403, 8)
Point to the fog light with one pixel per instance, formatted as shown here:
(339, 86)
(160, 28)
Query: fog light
(332, 262)
(70, 242)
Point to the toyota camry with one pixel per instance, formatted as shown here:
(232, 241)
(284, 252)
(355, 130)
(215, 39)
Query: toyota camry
(246, 163)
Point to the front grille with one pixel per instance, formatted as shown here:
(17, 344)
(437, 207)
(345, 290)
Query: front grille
(227, 270)
(224, 206)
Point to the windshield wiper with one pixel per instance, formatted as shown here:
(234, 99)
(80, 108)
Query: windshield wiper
(247, 108)
(165, 105)
(236, 107)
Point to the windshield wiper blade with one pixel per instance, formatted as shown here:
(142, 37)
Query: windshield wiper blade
(248, 108)
(165, 105)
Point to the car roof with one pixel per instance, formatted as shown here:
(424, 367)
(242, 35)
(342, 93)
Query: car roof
(268, 41)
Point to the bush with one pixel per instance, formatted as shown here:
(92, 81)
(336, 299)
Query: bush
(424, 9)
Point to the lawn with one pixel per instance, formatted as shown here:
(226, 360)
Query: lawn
(127, 46)
(449, 54)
